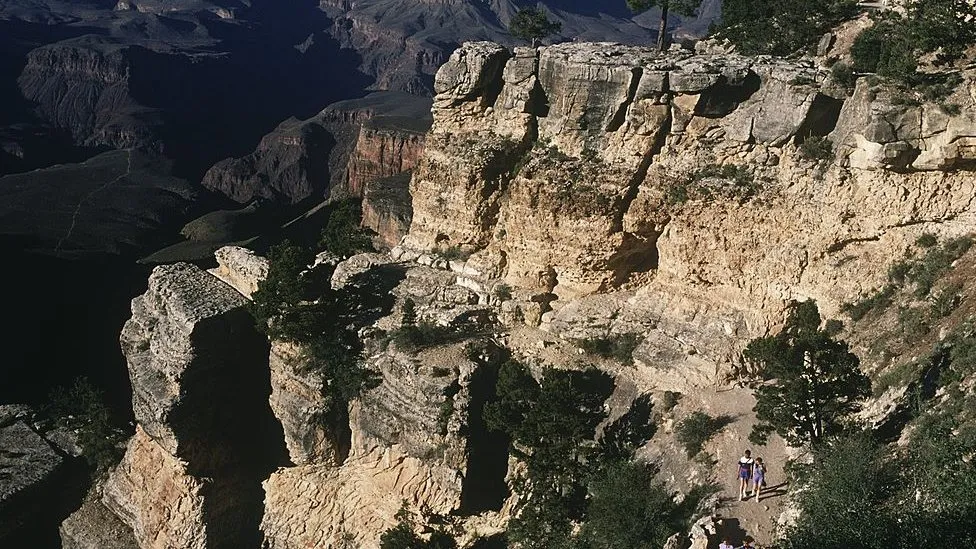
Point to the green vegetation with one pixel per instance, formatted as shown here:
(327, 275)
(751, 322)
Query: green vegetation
(503, 292)
(780, 28)
(414, 334)
(454, 253)
(893, 46)
(533, 25)
(81, 407)
(920, 276)
(843, 74)
(298, 305)
(696, 429)
(619, 347)
(574, 478)
(681, 7)
(343, 234)
(810, 382)
(713, 181)
(404, 535)
(921, 497)
(817, 148)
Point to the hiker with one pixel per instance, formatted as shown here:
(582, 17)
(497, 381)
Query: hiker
(744, 472)
(758, 476)
(726, 544)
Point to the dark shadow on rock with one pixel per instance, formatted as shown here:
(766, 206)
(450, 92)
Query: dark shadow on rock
(730, 529)
(497, 541)
(484, 487)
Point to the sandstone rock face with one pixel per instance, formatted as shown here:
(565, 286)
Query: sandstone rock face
(93, 526)
(410, 437)
(380, 153)
(240, 268)
(311, 432)
(587, 169)
(190, 476)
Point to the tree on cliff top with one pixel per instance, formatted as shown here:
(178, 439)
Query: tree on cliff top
(681, 7)
(780, 28)
(532, 24)
(810, 382)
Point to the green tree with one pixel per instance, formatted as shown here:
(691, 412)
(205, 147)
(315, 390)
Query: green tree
(783, 27)
(810, 382)
(848, 477)
(533, 25)
(404, 536)
(629, 509)
(681, 7)
(343, 234)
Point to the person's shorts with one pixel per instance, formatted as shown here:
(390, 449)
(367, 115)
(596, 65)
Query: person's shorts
(744, 475)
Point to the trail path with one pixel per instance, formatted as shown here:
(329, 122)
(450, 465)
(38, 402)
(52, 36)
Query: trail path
(742, 518)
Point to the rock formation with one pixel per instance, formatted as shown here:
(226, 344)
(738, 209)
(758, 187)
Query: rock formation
(334, 153)
(190, 476)
(581, 169)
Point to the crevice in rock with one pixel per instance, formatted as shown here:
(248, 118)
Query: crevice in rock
(821, 118)
(838, 246)
(484, 487)
(635, 182)
(621, 115)
(243, 443)
(918, 391)
(721, 99)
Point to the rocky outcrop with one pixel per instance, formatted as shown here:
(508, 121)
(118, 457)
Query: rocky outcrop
(93, 526)
(410, 437)
(332, 153)
(582, 169)
(240, 268)
(383, 152)
(29, 471)
(204, 440)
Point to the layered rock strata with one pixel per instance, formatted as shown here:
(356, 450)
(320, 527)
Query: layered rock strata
(410, 437)
(204, 440)
(582, 169)
(331, 154)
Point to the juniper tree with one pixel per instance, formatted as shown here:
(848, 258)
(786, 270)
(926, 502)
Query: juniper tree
(809, 382)
(533, 25)
(681, 7)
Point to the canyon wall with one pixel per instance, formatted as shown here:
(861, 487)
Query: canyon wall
(620, 190)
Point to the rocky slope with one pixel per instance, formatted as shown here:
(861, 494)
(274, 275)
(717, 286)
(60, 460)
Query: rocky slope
(584, 169)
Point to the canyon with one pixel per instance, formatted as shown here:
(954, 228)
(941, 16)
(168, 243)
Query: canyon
(562, 194)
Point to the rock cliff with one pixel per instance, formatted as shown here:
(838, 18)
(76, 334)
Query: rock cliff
(333, 153)
(204, 438)
(679, 185)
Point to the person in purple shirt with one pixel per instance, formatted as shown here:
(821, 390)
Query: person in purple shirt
(758, 476)
(726, 544)
(744, 474)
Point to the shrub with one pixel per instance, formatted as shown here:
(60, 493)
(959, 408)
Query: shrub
(926, 240)
(403, 535)
(669, 400)
(876, 302)
(714, 181)
(780, 28)
(816, 147)
(455, 253)
(82, 407)
(843, 75)
(619, 347)
(503, 292)
(424, 334)
(695, 430)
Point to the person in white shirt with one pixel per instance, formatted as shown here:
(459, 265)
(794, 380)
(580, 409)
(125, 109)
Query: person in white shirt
(744, 474)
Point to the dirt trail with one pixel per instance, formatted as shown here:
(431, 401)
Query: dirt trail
(742, 517)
